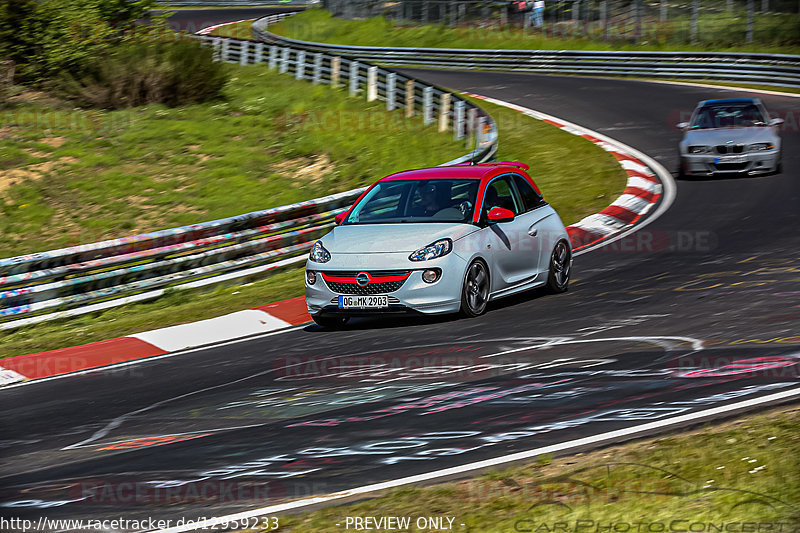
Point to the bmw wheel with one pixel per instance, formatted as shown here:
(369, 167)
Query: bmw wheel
(475, 293)
(560, 268)
(330, 322)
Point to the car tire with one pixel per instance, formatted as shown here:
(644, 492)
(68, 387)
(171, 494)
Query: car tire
(560, 268)
(475, 289)
(330, 322)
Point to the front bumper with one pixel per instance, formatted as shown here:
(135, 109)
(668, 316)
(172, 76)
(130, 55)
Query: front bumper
(414, 295)
(746, 163)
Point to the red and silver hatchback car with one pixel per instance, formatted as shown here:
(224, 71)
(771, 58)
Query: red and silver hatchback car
(438, 240)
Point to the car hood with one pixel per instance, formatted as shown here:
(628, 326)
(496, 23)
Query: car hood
(723, 135)
(376, 238)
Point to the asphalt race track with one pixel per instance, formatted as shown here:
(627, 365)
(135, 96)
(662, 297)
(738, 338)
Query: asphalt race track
(697, 310)
(194, 20)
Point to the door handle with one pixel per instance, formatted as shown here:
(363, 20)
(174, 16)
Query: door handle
(533, 231)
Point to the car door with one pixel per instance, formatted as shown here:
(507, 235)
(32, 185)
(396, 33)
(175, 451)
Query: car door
(511, 252)
(541, 228)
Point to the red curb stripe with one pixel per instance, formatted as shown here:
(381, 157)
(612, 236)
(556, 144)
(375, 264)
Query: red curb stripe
(581, 238)
(293, 311)
(648, 196)
(625, 157)
(623, 214)
(66, 360)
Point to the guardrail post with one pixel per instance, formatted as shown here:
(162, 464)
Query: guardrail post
(259, 53)
(273, 57)
(244, 53)
(427, 105)
(479, 131)
(372, 84)
(223, 53)
(317, 68)
(300, 65)
(216, 45)
(336, 65)
(284, 65)
(410, 98)
(354, 78)
(458, 120)
(391, 80)
(444, 111)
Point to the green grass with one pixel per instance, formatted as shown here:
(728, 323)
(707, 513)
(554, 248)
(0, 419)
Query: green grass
(717, 474)
(70, 177)
(780, 34)
(576, 177)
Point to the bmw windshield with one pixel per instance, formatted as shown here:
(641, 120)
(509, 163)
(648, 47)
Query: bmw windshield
(728, 116)
(417, 201)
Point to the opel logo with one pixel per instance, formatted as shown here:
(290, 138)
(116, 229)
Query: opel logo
(362, 279)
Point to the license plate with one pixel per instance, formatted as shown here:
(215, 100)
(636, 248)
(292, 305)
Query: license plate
(371, 302)
(730, 159)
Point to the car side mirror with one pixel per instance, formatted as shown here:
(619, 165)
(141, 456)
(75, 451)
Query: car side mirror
(500, 214)
(340, 218)
(682, 125)
(776, 122)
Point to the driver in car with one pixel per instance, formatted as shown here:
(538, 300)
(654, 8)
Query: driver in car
(430, 201)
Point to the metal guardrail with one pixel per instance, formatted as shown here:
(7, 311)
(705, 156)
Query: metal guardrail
(70, 281)
(780, 70)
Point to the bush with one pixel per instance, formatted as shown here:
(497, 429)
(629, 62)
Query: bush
(132, 74)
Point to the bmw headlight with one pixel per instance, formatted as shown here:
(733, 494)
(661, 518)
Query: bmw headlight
(759, 147)
(699, 149)
(319, 254)
(432, 251)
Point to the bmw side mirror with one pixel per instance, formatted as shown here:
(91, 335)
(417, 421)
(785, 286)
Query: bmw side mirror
(682, 125)
(340, 218)
(776, 122)
(500, 214)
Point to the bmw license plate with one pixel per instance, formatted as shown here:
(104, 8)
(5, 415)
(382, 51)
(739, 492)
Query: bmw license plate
(729, 159)
(362, 302)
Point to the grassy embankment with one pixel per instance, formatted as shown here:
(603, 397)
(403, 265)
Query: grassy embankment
(779, 35)
(736, 476)
(72, 177)
(318, 25)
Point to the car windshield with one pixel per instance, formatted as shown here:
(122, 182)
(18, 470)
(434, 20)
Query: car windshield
(417, 201)
(728, 116)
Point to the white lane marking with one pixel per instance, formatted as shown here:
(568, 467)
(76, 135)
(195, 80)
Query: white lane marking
(662, 341)
(610, 436)
(221, 328)
(153, 358)
(712, 86)
(667, 181)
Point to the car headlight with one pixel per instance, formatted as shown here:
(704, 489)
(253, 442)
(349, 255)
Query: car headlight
(758, 147)
(319, 254)
(432, 251)
(699, 149)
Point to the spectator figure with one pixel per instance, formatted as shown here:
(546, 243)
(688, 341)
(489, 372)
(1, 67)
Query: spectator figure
(537, 15)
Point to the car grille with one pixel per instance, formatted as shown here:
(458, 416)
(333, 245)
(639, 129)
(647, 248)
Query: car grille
(730, 166)
(730, 148)
(345, 286)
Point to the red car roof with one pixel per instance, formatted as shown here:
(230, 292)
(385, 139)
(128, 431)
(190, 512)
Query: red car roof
(483, 171)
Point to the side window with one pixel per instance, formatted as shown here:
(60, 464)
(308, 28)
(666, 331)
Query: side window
(500, 193)
(530, 198)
